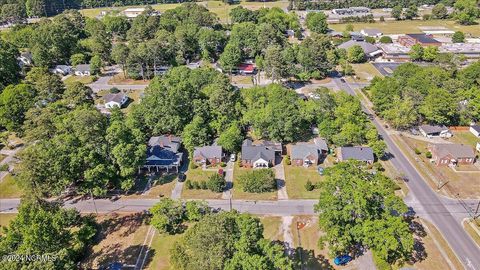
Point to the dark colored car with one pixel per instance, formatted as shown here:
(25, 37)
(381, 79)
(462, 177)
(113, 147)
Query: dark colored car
(342, 80)
(181, 177)
(342, 260)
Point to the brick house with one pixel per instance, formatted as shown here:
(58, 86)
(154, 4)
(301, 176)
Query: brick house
(451, 154)
(208, 155)
(261, 155)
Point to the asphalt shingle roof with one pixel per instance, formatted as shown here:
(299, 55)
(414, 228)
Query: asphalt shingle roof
(208, 152)
(357, 153)
(455, 150)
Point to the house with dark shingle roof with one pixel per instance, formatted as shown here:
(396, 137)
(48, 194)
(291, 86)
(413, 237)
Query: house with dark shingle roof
(259, 155)
(304, 154)
(475, 130)
(208, 155)
(360, 153)
(164, 153)
(115, 100)
(444, 154)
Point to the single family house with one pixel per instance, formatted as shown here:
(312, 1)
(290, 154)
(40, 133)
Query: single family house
(475, 130)
(115, 100)
(258, 155)
(208, 155)
(62, 70)
(304, 155)
(435, 131)
(164, 153)
(360, 153)
(451, 154)
(83, 70)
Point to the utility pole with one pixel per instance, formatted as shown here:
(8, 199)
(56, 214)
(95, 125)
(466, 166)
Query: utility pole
(93, 200)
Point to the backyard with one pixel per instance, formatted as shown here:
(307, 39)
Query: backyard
(410, 26)
(465, 137)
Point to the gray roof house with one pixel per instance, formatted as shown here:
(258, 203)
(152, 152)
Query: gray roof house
(370, 50)
(115, 100)
(321, 144)
(257, 156)
(475, 130)
(62, 70)
(371, 32)
(360, 153)
(164, 153)
(435, 131)
(83, 70)
(208, 154)
(304, 154)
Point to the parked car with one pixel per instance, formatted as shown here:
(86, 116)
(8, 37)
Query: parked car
(320, 170)
(342, 260)
(181, 177)
(232, 157)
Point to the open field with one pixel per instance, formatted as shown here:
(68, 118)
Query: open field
(198, 175)
(295, 179)
(465, 137)
(465, 184)
(237, 192)
(9, 188)
(120, 79)
(219, 8)
(121, 238)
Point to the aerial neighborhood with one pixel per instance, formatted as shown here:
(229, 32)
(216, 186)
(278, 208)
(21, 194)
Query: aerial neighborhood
(278, 134)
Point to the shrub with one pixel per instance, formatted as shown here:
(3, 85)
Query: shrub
(4, 167)
(287, 160)
(192, 165)
(381, 263)
(258, 181)
(428, 154)
(370, 40)
(382, 19)
(386, 39)
(203, 185)
(223, 164)
(114, 90)
(188, 184)
(309, 186)
(377, 166)
(216, 183)
(417, 151)
(196, 185)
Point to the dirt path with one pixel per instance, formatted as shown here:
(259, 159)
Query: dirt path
(287, 233)
(280, 178)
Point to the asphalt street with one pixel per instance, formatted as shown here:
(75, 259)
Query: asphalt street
(426, 203)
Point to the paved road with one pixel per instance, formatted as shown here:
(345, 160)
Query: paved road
(427, 203)
(10, 156)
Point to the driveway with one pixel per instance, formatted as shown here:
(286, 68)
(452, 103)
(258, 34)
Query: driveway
(280, 178)
(227, 194)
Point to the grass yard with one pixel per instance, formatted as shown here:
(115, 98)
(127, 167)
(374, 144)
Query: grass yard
(473, 229)
(198, 175)
(409, 26)
(272, 228)
(2, 157)
(120, 79)
(5, 220)
(366, 72)
(9, 188)
(466, 184)
(161, 245)
(465, 137)
(121, 238)
(296, 177)
(219, 8)
(162, 186)
(82, 79)
(239, 194)
(239, 79)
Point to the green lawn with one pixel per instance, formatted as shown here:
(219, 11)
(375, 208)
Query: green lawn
(198, 175)
(219, 8)
(239, 194)
(409, 26)
(82, 79)
(296, 177)
(161, 245)
(272, 227)
(2, 157)
(465, 137)
(5, 220)
(366, 71)
(9, 188)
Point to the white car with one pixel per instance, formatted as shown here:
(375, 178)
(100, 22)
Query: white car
(232, 157)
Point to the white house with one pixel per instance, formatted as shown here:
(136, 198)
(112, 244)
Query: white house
(25, 59)
(435, 131)
(62, 70)
(83, 70)
(133, 12)
(475, 130)
(115, 100)
(478, 146)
